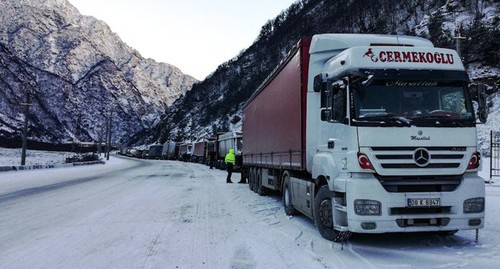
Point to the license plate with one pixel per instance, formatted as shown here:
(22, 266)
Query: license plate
(424, 202)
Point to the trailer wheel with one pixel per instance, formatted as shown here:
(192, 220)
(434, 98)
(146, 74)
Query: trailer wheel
(250, 169)
(254, 180)
(250, 178)
(252, 187)
(323, 214)
(257, 181)
(287, 197)
(261, 190)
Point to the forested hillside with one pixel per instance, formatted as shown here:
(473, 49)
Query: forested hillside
(215, 104)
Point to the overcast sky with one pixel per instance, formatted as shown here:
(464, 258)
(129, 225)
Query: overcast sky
(194, 35)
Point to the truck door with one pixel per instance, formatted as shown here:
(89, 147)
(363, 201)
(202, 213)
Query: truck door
(336, 132)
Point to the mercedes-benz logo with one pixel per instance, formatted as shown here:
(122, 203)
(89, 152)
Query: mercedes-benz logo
(421, 157)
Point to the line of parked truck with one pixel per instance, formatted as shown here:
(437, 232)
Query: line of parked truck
(362, 134)
(205, 151)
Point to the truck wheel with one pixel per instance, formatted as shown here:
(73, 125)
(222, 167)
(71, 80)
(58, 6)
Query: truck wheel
(251, 178)
(287, 197)
(257, 181)
(260, 189)
(323, 214)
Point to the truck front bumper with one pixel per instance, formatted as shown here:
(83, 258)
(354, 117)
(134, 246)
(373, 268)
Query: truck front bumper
(395, 213)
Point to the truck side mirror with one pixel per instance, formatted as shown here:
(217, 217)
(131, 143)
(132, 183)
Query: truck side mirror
(482, 98)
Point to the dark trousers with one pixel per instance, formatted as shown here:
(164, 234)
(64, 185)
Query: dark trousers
(229, 168)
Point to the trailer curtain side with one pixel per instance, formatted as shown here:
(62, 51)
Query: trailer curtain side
(274, 117)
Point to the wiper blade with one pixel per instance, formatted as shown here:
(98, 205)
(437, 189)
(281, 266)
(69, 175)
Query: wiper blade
(387, 120)
(398, 120)
(371, 115)
(439, 120)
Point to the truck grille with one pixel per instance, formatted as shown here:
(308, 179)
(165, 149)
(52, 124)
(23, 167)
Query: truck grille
(437, 222)
(407, 157)
(419, 183)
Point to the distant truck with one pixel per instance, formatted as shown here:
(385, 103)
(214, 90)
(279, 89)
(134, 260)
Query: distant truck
(155, 151)
(186, 151)
(170, 150)
(226, 141)
(199, 152)
(368, 134)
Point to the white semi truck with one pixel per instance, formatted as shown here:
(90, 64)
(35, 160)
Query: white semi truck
(368, 134)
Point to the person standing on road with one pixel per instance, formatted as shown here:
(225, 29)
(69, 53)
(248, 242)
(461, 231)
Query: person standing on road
(211, 159)
(230, 160)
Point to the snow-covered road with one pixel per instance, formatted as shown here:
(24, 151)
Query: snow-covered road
(166, 214)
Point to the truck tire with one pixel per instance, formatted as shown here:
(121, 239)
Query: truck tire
(254, 175)
(323, 214)
(261, 190)
(250, 178)
(256, 181)
(287, 197)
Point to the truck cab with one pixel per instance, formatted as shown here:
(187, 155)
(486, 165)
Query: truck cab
(394, 136)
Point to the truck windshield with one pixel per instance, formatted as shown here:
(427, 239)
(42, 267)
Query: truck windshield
(407, 103)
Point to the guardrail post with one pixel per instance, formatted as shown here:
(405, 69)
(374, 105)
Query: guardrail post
(491, 155)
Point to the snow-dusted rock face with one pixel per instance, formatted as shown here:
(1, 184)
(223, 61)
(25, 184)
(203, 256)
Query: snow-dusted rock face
(77, 71)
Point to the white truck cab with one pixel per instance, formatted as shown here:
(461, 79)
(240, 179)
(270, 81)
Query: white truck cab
(396, 139)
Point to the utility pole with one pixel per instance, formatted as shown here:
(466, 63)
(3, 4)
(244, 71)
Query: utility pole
(106, 144)
(99, 147)
(25, 127)
(459, 38)
(108, 135)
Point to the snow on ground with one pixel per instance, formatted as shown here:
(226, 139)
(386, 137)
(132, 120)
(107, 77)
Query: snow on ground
(12, 157)
(166, 214)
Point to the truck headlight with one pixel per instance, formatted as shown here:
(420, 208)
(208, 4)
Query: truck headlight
(474, 205)
(367, 207)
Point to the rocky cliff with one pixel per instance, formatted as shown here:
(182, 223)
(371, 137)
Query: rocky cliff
(76, 72)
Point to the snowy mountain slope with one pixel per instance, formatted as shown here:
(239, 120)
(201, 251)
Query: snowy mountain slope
(215, 104)
(77, 72)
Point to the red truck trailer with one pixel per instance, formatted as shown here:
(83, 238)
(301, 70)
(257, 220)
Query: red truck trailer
(274, 122)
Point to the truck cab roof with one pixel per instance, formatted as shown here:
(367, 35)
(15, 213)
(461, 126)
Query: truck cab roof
(329, 42)
(385, 57)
